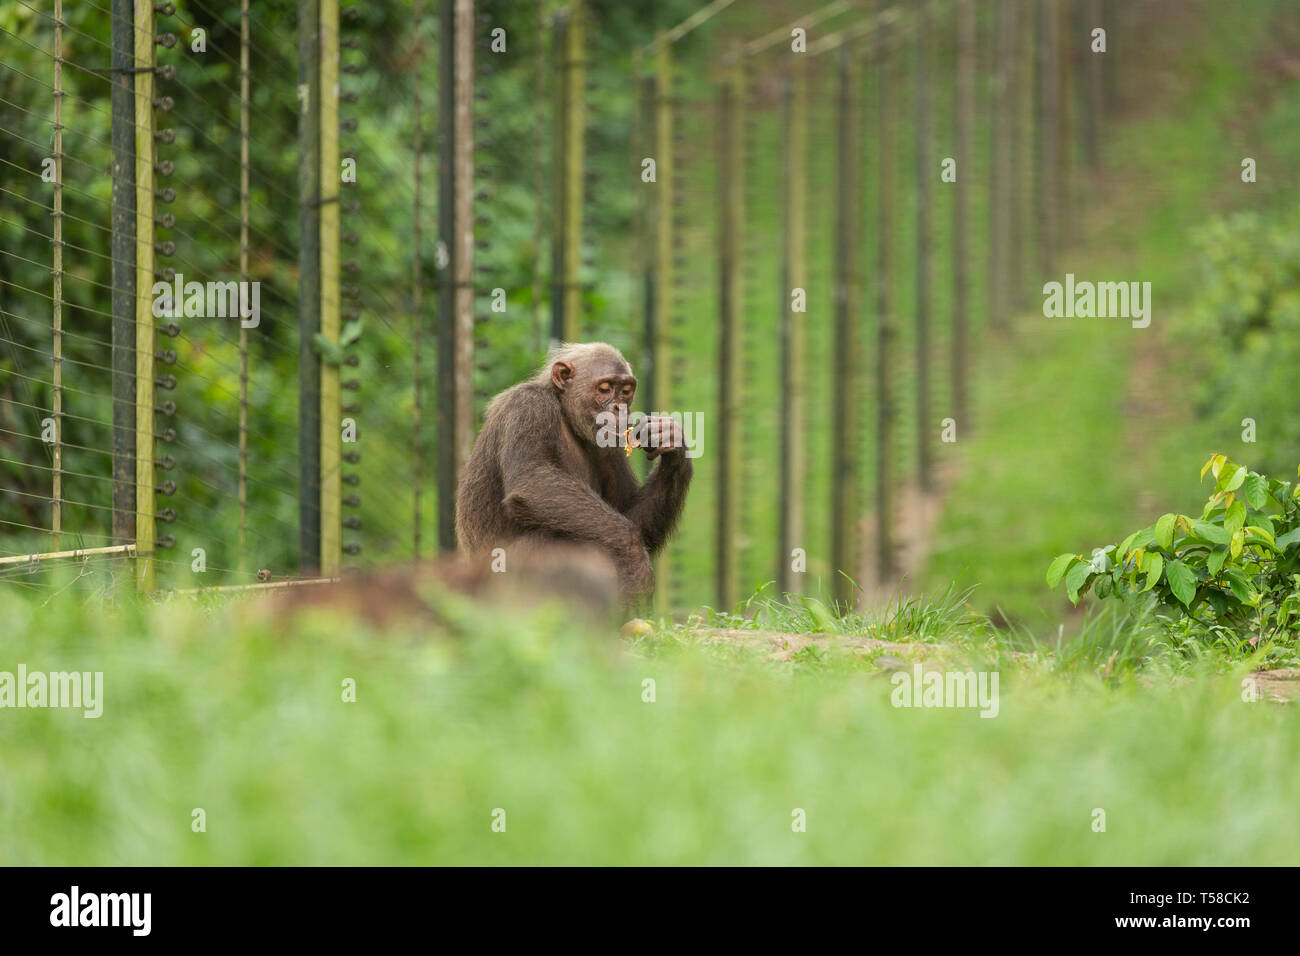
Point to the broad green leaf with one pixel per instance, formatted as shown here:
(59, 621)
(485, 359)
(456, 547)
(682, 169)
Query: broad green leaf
(1181, 581)
(1143, 539)
(1261, 520)
(1237, 479)
(1263, 534)
(1242, 587)
(1125, 545)
(1075, 578)
(1238, 539)
(1058, 567)
(1285, 541)
(1154, 566)
(1165, 531)
(1235, 517)
(1256, 490)
(1217, 557)
(1211, 532)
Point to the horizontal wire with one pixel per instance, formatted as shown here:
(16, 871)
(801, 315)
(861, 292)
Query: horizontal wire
(30, 527)
(61, 444)
(62, 127)
(179, 495)
(73, 304)
(262, 179)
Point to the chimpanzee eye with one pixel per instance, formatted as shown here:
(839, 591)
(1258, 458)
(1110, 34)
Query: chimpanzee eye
(606, 388)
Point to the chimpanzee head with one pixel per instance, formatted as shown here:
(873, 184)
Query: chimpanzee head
(592, 380)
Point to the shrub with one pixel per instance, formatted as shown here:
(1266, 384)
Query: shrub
(1236, 566)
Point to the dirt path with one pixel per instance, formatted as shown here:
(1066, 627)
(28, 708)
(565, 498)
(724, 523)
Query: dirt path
(1280, 686)
(916, 518)
(782, 646)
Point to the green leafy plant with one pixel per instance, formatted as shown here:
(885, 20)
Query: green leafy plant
(1237, 566)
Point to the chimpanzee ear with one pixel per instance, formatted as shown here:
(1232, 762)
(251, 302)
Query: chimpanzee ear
(561, 372)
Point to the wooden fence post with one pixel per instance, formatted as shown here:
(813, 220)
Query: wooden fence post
(844, 444)
(961, 208)
(145, 532)
(792, 325)
(56, 489)
(245, 41)
(309, 362)
(331, 487)
(123, 270)
(924, 242)
(885, 330)
(730, 128)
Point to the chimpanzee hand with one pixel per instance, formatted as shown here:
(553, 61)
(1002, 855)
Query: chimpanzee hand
(662, 435)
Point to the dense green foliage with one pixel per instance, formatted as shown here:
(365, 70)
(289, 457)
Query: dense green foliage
(1235, 568)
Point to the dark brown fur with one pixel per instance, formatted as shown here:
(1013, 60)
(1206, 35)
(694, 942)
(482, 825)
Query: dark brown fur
(580, 577)
(537, 472)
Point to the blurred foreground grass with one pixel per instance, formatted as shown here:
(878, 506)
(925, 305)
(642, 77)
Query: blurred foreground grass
(240, 714)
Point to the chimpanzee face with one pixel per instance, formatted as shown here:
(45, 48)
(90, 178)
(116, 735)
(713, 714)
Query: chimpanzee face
(593, 385)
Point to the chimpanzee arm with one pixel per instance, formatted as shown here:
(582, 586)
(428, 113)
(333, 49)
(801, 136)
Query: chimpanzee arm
(655, 507)
(539, 495)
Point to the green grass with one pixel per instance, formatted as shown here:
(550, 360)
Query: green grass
(227, 710)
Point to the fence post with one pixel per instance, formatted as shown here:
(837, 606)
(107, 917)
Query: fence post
(446, 251)
(924, 241)
(566, 249)
(145, 532)
(1049, 181)
(123, 270)
(56, 490)
(730, 350)
(1021, 142)
(884, 319)
(1093, 101)
(961, 207)
(999, 167)
(649, 239)
(1064, 49)
(331, 487)
(463, 260)
(245, 40)
(661, 359)
(662, 368)
(574, 126)
(309, 362)
(456, 256)
(844, 511)
(539, 178)
(417, 293)
(792, 326)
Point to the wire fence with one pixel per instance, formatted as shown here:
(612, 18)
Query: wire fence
(807, 225)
